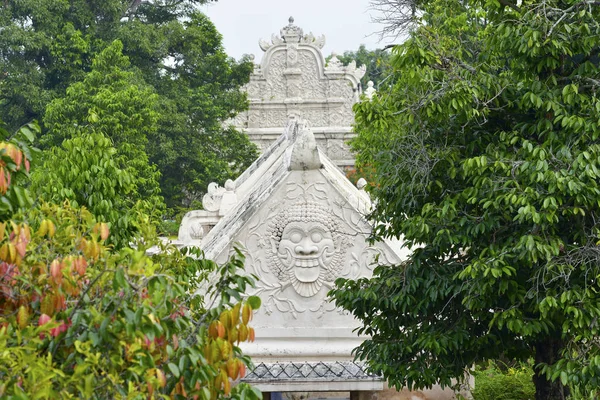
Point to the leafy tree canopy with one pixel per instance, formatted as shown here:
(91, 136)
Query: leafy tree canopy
(486, 156)
(101, 130)
(377, 61)
(174, 56)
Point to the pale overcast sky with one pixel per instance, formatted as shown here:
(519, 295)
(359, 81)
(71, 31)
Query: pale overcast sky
(345, 23)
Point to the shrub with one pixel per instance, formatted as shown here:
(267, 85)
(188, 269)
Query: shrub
(81, 319)
(495, 383)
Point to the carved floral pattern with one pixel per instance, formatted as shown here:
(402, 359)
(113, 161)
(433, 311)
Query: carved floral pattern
(313, 87)
(276, 85)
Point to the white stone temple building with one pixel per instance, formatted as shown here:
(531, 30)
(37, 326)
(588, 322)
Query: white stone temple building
(301, 224)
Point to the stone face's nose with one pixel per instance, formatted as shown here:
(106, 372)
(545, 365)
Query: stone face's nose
(306, 247)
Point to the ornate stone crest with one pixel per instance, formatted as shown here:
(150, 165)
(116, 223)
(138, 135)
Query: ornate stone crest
(292, 78)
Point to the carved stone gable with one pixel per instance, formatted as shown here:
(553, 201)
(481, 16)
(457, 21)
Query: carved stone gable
(301, 225)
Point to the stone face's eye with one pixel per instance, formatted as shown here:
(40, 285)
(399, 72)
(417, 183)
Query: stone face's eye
(295, 237)
(316, 236)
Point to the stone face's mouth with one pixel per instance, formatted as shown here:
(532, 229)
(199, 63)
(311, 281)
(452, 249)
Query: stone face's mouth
(306, 262)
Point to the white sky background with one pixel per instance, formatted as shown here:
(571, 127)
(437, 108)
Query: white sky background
(346, 24)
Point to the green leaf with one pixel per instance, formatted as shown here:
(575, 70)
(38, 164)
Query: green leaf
(254, 302)
(174, 370)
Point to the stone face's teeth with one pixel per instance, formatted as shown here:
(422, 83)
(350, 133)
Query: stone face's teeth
(307, 262)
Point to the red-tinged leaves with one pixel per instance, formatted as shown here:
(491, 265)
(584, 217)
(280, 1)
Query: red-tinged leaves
(162, 379)
(213, 332)
(233, 368)
(44, 319)
(56, 271)
(62, 328)
(241, 369)
(80, 265)
(220, 329)
(3, 181)
(21, 241)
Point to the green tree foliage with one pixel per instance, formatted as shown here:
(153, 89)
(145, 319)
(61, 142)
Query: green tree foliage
(377, 61)
(486, 155)
(46, 46)
(85, 171)
(100, 130)
(80, 319)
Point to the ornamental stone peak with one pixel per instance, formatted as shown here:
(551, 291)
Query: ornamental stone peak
(293, 80)
(301, 225)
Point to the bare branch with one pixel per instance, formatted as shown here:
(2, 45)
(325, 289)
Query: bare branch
(398, 17)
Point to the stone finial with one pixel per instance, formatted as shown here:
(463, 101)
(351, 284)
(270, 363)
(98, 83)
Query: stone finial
(291, 33)
(370, 90)
(229, 198)
(334, 62)
(212, 199)
(361, 183)
(305, 154)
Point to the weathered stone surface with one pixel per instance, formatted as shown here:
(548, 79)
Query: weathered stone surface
(302, 225)
(293, 81)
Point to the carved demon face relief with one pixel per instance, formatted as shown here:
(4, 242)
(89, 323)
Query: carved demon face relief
(305, 247)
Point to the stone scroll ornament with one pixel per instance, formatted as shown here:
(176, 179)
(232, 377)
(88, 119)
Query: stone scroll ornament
(306, 249)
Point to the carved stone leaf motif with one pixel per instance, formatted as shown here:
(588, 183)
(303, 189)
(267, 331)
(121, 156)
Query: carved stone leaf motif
(314, 88)
(317, 42)
(273, 118)
(316, 117)
(264, 45)
(276, 83)
(212, 199)
(276, 40)
(313, 191)
(322, 308)
(339, 88)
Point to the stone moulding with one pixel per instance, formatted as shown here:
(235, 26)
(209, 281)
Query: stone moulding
(336, 375)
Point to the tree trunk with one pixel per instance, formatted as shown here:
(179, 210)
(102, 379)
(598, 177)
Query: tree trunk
(548, 352)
